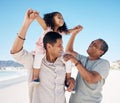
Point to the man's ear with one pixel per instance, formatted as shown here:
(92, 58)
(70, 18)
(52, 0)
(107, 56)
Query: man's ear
(101, 52)
(48, 46)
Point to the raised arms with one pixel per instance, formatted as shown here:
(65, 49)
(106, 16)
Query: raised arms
(74, 32)
(19, 41)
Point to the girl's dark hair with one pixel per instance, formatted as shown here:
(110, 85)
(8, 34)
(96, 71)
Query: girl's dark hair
(50, 22)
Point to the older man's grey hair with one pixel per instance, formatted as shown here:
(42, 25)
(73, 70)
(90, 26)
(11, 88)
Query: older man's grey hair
(104, 46)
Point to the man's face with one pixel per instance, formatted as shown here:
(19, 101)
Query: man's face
(56, 50)
(94, 48)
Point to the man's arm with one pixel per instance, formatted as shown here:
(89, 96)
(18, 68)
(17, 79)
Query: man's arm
(19, 41)
(90, 77)
(69, 47)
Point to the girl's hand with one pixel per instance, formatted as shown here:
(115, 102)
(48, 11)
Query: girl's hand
(30, 16)
(34, 15)
(76, 29)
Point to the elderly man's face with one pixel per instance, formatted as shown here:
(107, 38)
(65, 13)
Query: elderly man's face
(94, 48)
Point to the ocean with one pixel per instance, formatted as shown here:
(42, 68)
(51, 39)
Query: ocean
(9, 77)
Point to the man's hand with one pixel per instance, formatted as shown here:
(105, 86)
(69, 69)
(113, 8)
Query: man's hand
(70, 57)
(30, 15)
(34, 14)
(70, 82)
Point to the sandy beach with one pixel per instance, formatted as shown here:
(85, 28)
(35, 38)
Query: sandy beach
(111, 88)
(18, 92)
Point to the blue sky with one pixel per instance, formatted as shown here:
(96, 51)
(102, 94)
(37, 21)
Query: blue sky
(99, 18)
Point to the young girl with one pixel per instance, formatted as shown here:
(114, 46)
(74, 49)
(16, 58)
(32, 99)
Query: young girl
(51, 22)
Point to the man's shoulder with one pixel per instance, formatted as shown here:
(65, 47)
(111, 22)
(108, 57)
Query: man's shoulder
(104, 60)
(102, 63)
(23, 56)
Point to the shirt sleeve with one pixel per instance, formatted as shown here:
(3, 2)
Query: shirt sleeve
(68, 66)
(102, 67)
(24, 57)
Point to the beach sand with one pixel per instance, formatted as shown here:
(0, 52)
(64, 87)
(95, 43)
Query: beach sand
(18, 93)
(111, 88)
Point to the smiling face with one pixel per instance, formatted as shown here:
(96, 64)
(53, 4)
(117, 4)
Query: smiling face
(53, 44)
(55, 50)
(94, 49)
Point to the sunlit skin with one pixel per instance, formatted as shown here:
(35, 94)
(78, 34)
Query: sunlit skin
(94, 50)
(58, 19)
(54, 51)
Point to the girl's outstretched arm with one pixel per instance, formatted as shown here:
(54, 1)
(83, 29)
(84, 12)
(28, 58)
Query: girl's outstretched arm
(41, 22)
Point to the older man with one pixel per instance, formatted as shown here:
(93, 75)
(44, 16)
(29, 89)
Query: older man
(92, 70)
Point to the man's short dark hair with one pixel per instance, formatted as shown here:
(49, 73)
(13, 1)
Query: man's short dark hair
(51, 38)
(104, 46)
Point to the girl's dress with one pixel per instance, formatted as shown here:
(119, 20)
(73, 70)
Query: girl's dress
(39, 52)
